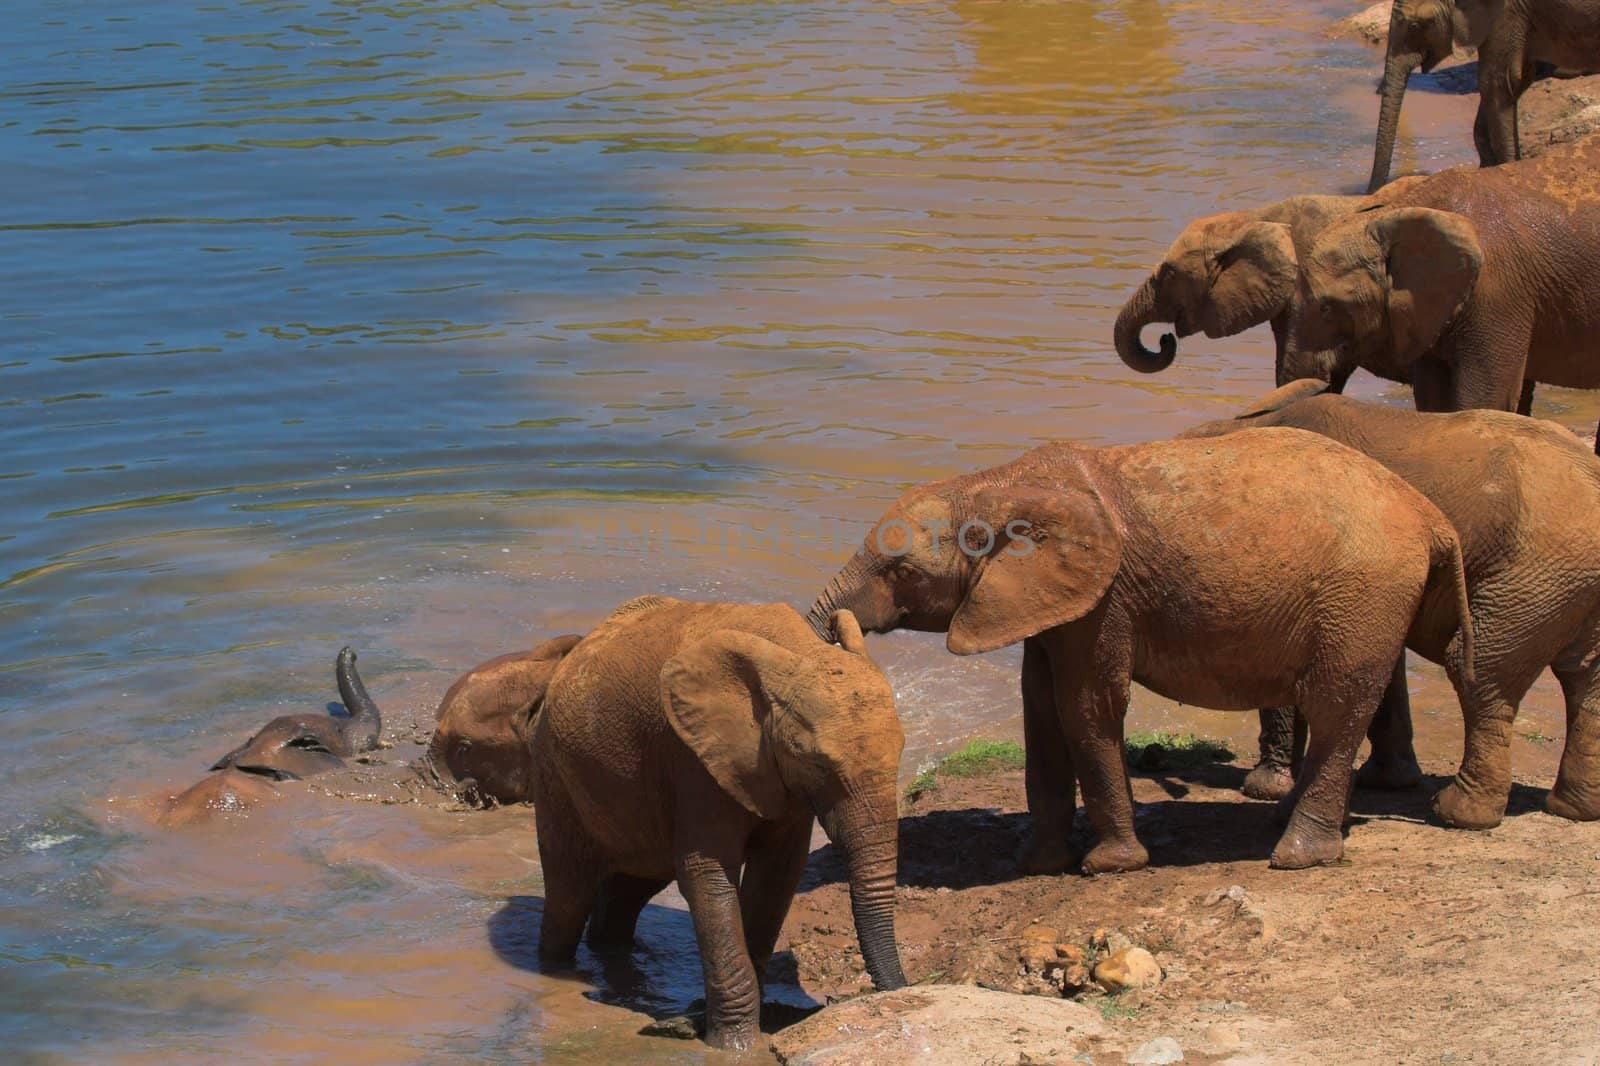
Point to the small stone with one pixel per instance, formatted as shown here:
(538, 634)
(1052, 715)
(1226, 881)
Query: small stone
(1224, 1036)
(1036, 955)
(1128, 968)
(1070, 953)
(1075, 979)
(1041, 932)
(1158, 1052)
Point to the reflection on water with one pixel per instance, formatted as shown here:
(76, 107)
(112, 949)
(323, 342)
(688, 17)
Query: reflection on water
(395, 325)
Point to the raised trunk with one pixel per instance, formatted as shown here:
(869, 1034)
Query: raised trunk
(366, 724)
(1396, 72)
(867, 833)
(1141, 310)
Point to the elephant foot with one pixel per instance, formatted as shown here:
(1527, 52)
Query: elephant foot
(1462, 810)
(1047, 854)
(1115, 856)
(1574, 804)
(740, 1037)
(1301, 850)
(1268, 782)
(1388, 771)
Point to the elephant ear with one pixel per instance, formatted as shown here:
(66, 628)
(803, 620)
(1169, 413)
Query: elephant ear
(716, 696)
(1054, 555)
(1278, 399)
(1256, 274)
(1433, 259)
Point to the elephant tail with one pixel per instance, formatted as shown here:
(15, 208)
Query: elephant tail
(366, 724)
(1447, 554)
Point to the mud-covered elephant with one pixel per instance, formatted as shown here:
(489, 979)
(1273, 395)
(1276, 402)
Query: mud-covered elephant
(1471, 285)
(685, 741)
(1511, 36)
(1230, 272)
(1524, 497)
(1212, 572)
(480, 746)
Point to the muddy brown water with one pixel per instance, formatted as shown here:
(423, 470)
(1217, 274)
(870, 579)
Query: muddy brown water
(435, 329)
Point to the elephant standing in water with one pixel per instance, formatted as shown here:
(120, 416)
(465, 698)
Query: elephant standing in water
(1230, 272)
(1211, 572)
(686, 741)
(1511, 39)
(1524, 496)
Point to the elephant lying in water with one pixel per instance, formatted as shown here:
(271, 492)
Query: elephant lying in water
(288, 748)
(1212, 572)
(1524, 496)
(690, 741)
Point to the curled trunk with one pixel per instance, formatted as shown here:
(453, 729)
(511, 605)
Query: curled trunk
(869, 839)
(366, 724)
(842, 593)
(1396, 72)
(1142, 309)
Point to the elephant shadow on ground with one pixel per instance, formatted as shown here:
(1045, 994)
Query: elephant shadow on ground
(1462, 79)
(660, 977)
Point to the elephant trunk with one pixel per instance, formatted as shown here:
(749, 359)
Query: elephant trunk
(847, 591)
(366, 724)
(1142, 309)
(1396, 72)
(866, 829)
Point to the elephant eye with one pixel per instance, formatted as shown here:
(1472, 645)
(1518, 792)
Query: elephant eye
(1327, 308)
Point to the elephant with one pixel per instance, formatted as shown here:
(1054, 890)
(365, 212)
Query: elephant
(1511, 38)
(480, 746)
(1230, 272)
(682, 741)
(1524, 497)
(302, 745)
(1471, 285)
(1211, 572)
(229, 791)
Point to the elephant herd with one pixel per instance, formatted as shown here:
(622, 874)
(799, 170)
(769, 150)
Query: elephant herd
(1282, 560)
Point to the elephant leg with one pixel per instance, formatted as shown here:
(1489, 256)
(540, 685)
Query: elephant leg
(1476, 799)
(572, 877)
(1525, 401)
(1393, 761)
(616, 912)
(1432, 385)
(1051, 786)
(1576, 794)
(1501, 80)
(1091, 688)
(1338, 717)
(1273, 776)
(733, 995)
(772, 871)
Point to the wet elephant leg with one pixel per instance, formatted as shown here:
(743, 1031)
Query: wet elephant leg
(1476, 799)
(1051, 787)
(772, 871)
(617, 908)
(572, 877)
(1576, 794)
(1273, 776)
(733, 995)
(1393, 761)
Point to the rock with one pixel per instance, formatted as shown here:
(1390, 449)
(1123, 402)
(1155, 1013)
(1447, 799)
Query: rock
(1158, 1052)
(1036, 955)
(1258, 927)
(941, 1025)
(1557, 110)
(1128, 968)
(1070, 953)
(1370, 24)
(1040, 932)
(1223, 1037)
(1075, 978)
(1110, 941)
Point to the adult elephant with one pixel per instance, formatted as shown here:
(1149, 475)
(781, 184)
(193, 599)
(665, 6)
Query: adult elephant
(686, 741)
(1511, 38)
(1470, 285)
(1211, 572)
(1230, 272)
(1524, 496)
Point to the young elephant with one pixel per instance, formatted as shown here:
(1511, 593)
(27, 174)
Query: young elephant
(480, 747)
(302, 745)
(1524, 496)
(1471, 285)
(1212, 572)
(687, 740)
(1230, 272)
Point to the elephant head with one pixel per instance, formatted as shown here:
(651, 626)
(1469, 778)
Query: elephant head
(1223, 274)
(1380, 287)
(304, 745)
(990, 558)
(1423, 33)
(773, 728)
(480, 748)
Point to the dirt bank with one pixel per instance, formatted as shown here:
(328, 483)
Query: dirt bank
(1428, 945)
